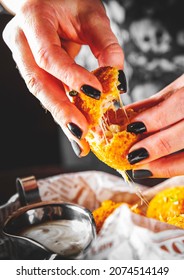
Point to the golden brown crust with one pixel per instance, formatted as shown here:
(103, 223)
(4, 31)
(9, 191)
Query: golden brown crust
(100, 214)
(177, 221)
(106, 208)
(107, 136)
(167, 204)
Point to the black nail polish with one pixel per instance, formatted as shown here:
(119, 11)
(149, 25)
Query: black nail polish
(91, 92)
(122, 79)
(73, 93)
(75, 130)
(136, 127)
(141, 174)
(76, 148)
(137, 155)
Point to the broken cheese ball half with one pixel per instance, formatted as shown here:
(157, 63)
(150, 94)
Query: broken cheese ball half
(107, 135)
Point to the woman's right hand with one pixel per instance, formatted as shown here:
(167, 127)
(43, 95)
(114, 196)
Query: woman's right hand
(44, 37)
(161, 121)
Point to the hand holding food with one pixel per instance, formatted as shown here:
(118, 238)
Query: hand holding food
(108, 120)
(160, 153)
(44, 37)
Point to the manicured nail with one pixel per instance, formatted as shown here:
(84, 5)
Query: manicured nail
(136, 127)
(76, 148)
(122, 79)
(75, 130)
(91, 92)
(73, 93)
(137, 155)
(141, 174)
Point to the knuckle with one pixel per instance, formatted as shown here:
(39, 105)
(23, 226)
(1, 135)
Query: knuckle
(163, 146)
(169, 171)
(32, 83)
(42, 58)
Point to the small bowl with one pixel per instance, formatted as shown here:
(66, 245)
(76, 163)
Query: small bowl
(50, 231)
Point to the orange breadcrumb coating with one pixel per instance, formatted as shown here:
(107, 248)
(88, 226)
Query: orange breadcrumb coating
(100, 214)
(177, 221)
(107, 136)
(114, 153)
(107, 207)
(167, 204)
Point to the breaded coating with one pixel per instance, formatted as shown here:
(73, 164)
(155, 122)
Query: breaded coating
(107, 136)
(167, 204)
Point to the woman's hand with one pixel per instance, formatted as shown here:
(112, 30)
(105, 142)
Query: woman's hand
(44, 37)
(161, 151)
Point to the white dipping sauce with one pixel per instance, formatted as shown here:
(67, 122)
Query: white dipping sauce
(63, 237)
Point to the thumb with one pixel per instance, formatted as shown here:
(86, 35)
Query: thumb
(103, 42)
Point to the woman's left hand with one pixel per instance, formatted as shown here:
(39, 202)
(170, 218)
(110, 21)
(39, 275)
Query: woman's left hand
(160, 153)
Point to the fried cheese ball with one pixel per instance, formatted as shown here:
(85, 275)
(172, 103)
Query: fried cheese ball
(177, 221)
(106, 209)
(107, 135)
(100, 214)
(167, 205)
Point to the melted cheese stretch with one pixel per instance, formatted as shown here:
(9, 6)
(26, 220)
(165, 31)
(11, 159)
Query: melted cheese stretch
(138, 192)
(108, 119)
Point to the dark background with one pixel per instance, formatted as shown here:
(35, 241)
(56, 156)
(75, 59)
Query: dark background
(31, 143)
(28, 136)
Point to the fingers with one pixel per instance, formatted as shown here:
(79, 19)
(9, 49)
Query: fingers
(158, 145)
(47, 89)
(158, 97)
(42, 35)
(161, 126)
(71, 48)
(166, 167)
(161, 115)
(102, 41)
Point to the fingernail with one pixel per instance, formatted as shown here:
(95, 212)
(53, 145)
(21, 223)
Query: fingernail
(141, 174)
(137, 155)
(75, 130)
(76, 148)
(136, 127)
(122, 79)
(73, 93)
(91, 92)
